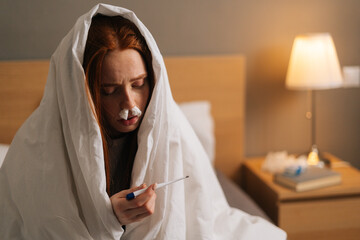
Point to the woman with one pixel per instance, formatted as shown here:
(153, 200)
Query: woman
(60, 179)
(116, 49)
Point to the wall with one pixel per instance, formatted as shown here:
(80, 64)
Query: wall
(262, 30)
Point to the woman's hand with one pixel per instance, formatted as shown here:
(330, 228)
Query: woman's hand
(134, 210)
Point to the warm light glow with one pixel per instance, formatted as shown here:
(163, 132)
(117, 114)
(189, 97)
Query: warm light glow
(313, 158)
(313, 63)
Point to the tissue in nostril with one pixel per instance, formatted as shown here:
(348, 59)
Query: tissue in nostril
(135, 111)
(124, 114)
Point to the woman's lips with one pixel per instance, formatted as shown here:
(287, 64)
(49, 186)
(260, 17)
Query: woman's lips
(130, 121)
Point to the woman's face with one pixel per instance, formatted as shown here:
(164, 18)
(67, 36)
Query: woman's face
(124, 85)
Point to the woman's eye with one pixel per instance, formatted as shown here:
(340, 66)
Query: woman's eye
(138, 83)
(107, 90)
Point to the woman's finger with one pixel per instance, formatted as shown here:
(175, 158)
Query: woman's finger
(141, 199)
(147, 209)
(123, 193)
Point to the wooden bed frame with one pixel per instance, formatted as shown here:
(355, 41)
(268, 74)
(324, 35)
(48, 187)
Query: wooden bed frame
(218, 79)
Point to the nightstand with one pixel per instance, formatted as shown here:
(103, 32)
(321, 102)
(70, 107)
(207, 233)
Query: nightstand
(326, 213)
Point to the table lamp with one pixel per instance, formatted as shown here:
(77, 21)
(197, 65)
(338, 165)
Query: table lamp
(313, 65)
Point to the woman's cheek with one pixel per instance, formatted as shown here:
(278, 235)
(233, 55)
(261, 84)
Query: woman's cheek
(110, 107)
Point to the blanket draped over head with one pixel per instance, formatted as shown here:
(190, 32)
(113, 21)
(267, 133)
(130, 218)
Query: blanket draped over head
(52, 182)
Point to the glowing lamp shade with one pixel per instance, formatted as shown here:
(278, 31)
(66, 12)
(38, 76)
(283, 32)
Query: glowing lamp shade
(313, 63)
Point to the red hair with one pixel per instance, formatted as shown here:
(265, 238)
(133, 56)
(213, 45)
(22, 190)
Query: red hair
(107, 34)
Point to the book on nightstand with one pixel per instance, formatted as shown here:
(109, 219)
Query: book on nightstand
(311, 178)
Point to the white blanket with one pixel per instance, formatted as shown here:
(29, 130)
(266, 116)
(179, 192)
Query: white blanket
(52, 182)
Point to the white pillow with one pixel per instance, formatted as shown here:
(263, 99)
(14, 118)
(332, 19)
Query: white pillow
(3, 150)
(199, 116)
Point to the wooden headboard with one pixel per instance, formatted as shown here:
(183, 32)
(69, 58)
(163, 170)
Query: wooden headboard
(218, 79)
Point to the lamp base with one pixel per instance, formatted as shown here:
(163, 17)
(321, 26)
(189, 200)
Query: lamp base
(315, 158)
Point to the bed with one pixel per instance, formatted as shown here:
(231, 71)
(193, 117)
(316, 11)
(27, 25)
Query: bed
(211, 86)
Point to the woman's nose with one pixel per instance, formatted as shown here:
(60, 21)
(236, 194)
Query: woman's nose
(127, 100)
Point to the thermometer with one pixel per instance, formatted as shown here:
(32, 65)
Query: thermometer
(160, 185)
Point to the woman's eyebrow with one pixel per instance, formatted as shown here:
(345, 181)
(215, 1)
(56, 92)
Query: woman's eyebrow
(141, 76)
